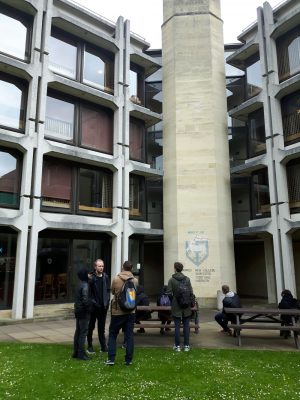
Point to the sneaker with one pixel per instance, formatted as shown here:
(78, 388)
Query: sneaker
(109, 362)
(123, 346)
(127, 363)
(187, 348)
(176, 348)
(83, 357)
(90, 350)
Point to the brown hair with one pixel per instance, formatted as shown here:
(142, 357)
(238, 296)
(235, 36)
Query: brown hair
(178, 266)
(225, 289)
(127, 266)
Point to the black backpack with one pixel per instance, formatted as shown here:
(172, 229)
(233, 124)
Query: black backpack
(184, 294)
(127, 296)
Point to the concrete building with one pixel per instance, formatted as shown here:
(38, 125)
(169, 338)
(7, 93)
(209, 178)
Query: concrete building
(265, 153)
(75, 181)
(82, 142)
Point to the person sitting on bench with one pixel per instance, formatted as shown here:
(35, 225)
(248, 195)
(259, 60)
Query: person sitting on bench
(141, 300)
(231, 300)
(287, 302)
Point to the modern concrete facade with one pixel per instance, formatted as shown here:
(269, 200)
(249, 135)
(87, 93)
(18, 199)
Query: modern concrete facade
(264, 146)
(73, 118)
(197, 205)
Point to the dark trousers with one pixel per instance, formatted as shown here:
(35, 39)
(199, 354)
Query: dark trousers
(186, 330)
(222, 319)
(117, 322)
(98, 314)
(80, 336)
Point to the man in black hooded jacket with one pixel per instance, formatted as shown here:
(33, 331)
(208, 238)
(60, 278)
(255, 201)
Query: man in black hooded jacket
(231, 300)
(82, 309)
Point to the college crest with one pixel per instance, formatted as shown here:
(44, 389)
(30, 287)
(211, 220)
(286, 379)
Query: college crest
(196, 250)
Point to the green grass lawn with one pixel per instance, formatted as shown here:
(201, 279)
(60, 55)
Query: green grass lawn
(42, 371)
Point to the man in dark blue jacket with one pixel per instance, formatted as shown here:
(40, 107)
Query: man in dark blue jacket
(100, 293)
(231, 300)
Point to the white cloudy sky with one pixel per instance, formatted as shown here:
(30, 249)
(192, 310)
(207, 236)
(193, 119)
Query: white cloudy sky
(146, 15)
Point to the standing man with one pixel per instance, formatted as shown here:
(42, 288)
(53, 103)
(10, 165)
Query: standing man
(179, 286)
(121, 318)
(99, 288)
(231, 300)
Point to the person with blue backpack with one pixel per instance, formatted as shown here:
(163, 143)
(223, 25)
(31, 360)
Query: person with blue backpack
(180, 288)
(123, 305)
(164, 315)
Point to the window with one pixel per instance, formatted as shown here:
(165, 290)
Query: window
(288, 54)
(59, 122)
(93, 130)
(56, 184)
(136, 196)
(155, 146)
(137, 140)
(97, 128)
(12, 103)
(14, 34)
(95, 191)
(8, 249)
(98, 70)
(293, 179)
(62, 55)
(153, 96)
(76, 60)
(257, 137)
(136, 85)
(155, 202)
(10, 177)
(290, 110)
(92, 193)
(260, 184)
(253, 75)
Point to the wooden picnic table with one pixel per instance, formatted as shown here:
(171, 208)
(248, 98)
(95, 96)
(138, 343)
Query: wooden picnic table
(263, 319)
(155, 322)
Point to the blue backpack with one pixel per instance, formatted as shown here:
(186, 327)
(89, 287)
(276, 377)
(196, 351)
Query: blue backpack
(127, 296)
(164, 300)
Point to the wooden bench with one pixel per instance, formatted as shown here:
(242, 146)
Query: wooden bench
(156, 322)
(263, 319)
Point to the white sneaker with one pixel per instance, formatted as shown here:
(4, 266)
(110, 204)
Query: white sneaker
(176, 348)
(187, 348)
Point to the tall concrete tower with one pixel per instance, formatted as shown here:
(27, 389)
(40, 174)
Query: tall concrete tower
(197, 205)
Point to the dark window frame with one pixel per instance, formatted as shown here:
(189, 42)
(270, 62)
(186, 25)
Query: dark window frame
(144, 134)
(81, 46)
(27, 21)
(255, 215)
(19, 159)
(134, 215)
(77, 134)
(20, 84)
(75, 176)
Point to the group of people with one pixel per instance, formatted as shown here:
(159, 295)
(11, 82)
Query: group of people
(93, 299)
(232, 300)
(92, 303)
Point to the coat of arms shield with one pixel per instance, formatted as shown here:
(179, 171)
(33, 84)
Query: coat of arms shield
(196, 250)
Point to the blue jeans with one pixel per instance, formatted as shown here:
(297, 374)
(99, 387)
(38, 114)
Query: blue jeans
(80, 336)
(186, 330)
(117, 322)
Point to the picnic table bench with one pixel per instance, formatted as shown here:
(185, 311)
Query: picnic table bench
(154, 322)
(263, 319)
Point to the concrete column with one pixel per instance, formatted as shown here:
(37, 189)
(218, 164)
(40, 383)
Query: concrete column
(270, 270)
(116, 261)
(197, 204)
(280, 212)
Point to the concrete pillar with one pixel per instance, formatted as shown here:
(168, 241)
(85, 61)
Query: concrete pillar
(270, 270)
(197, 204)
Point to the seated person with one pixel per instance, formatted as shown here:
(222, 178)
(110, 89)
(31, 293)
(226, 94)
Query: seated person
(196, 313)
(231, 300)
(165, 315)
(141, 300)
(287, 302)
